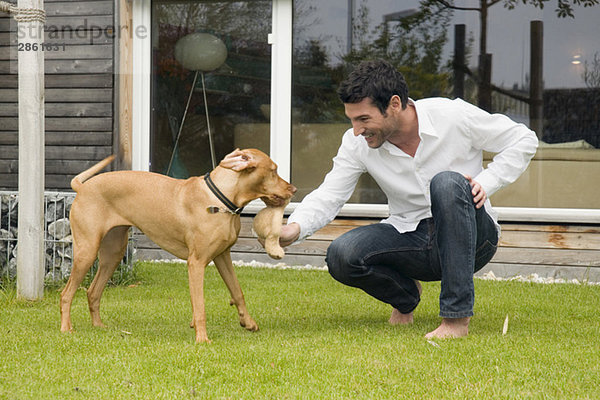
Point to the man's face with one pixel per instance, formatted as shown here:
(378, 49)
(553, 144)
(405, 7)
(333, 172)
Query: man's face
(369, 123)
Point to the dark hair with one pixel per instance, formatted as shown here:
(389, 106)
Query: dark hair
(377, 80)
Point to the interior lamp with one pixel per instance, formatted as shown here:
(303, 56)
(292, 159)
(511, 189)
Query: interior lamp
(199, 52)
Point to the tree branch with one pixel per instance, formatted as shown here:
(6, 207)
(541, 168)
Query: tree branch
(491, 3)
(452, 6)
(495, 88)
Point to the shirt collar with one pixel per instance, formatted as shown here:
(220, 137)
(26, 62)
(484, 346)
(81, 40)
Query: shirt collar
(425, 125)
(425, 128)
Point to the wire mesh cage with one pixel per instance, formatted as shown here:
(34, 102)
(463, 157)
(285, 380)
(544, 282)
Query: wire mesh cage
(57, 237)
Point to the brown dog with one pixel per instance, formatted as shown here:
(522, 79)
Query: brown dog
(185, 217)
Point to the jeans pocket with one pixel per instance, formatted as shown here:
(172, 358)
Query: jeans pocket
(484, 254)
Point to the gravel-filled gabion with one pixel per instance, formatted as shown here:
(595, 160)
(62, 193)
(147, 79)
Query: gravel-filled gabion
(58, 239)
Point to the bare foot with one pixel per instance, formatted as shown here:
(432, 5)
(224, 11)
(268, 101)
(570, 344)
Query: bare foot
(450, 328)
(397, 318)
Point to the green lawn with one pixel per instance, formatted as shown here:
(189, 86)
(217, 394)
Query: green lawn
(318, 340)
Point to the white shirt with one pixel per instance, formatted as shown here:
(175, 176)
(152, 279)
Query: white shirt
(453, 136)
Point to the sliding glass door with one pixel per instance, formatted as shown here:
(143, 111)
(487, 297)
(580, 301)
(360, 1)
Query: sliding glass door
(211, 82)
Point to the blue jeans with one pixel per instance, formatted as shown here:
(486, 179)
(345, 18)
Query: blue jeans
(451, 246)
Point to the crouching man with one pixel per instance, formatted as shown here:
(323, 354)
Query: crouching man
(426, 156)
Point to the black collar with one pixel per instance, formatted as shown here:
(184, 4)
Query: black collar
(213, 188)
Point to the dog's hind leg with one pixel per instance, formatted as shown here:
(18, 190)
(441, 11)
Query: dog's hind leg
(225, 268)
(112, 249)
(84, 255)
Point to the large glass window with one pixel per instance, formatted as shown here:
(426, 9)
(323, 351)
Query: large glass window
(228, 39)
(330, 37)
(565, 172)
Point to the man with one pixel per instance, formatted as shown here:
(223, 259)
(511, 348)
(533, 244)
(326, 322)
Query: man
(426, 156)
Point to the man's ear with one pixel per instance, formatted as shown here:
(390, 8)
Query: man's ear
(396, 102)
(238, 160)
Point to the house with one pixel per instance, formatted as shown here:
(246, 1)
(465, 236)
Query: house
(116, 83)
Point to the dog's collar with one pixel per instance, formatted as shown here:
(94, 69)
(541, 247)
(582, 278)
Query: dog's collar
(232, 208)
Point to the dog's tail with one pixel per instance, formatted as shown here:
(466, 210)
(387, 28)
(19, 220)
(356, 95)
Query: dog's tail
(88, 173)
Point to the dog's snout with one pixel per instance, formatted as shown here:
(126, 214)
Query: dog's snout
(292, 189)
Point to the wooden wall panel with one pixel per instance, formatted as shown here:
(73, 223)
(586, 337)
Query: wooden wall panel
(524, 249)
(79, 98)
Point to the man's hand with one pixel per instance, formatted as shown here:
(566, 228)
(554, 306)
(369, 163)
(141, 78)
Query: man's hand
(289, 234)
(479, 195)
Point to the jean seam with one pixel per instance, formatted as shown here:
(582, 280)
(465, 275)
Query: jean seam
(486, 243)
(471, 239)
(378, 253)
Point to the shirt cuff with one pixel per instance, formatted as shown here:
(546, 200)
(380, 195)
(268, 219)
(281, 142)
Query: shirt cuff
(488, 182)
(303, 232)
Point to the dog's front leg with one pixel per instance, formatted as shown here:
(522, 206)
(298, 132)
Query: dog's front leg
(225, 268)
(196, 269)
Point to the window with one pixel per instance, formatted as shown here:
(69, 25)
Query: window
(329, 38)
(237, 91)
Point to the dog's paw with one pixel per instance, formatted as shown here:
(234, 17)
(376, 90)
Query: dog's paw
(203, 339)
(274, 250)
(276, 253)
(249, 324)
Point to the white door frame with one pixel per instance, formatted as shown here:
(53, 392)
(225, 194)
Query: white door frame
(281, 93)
(142, 64)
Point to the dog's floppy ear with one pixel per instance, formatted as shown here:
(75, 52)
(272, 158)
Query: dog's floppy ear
(238, 160)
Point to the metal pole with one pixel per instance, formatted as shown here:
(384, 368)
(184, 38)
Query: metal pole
(187, 106)
(485, 84)
(459, 61)
(350, 26)
(31, 247)
(536, 89)
(210, 138)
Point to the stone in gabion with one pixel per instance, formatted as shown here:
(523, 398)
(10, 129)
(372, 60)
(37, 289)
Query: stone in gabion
(10, 270)
(64, 248)
(9, 211)
(54, 275)
(6, 246)
(60, 228)
(6, 234)
(65, 267)
(68, 202)
(3, 258)
(55, 208)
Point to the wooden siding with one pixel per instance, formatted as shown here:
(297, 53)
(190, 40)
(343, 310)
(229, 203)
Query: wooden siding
(79, 81)
(560, 251)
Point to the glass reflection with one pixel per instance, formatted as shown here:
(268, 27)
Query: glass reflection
(238, 92)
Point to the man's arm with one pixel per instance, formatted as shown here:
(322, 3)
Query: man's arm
(514, 143)
(322, 205)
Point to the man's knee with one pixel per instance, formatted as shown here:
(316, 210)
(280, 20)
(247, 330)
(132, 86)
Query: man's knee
(447, 186)
(339, 261)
